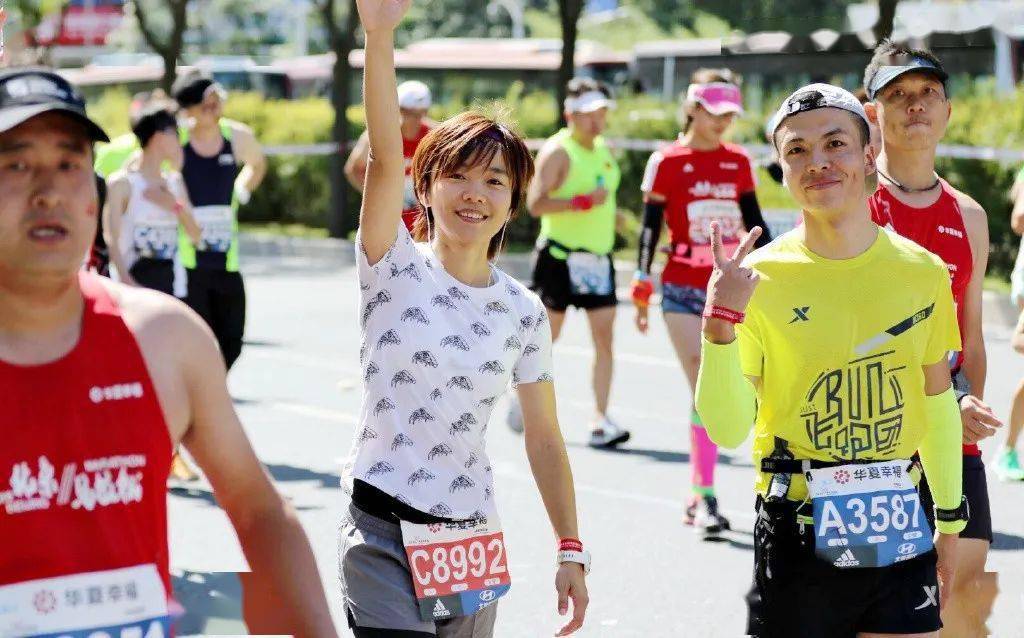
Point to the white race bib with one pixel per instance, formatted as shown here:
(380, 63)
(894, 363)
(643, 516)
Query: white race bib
(218, 227)
(590, 274)
(118, 603)
(867, 515)
(156, 236)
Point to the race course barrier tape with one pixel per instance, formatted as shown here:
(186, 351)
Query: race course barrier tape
(763, 152)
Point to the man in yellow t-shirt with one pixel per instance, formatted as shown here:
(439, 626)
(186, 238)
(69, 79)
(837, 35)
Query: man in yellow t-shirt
(835, 338)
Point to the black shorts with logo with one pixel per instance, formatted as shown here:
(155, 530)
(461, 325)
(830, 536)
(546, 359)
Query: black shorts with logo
(553, 285)
(797, 595)
(976, 490)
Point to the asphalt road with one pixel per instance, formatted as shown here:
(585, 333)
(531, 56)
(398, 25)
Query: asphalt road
(297, 391)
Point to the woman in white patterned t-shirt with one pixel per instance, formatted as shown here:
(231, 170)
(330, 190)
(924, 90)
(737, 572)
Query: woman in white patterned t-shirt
(444, 333)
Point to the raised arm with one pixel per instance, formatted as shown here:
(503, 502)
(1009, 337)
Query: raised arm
(385, 172)
(725, 398)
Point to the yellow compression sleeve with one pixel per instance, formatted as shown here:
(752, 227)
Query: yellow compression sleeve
(942, 455)
(725, 399)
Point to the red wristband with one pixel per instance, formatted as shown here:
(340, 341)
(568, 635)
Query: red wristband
(581, 202)
(571, 544)
(725, 314)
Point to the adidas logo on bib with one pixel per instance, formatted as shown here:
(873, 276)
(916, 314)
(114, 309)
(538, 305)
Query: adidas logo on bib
(440, 611)
(846, 559)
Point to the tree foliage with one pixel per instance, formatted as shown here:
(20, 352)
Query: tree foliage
(166, 42)
(452, 19)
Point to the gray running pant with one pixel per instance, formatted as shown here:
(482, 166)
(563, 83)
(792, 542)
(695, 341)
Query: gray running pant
(376, 585)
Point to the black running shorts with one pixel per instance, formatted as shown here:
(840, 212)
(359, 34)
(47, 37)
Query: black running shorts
(552, 284)
(797, 595)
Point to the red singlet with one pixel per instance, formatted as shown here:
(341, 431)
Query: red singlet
(411, 208)
(84, 457)
(940, 229)
(699, 187)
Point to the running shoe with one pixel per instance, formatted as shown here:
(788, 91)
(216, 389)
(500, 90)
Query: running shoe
(607, 435)
(1008, 465)
(514, 418)
(708, 522)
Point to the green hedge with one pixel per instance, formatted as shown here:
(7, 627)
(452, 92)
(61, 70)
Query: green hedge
(296, 189)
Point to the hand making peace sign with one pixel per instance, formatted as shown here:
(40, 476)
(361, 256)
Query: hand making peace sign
(731, 285)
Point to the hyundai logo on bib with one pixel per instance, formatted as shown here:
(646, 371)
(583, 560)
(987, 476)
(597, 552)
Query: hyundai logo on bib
(487, 595)
(907, 548)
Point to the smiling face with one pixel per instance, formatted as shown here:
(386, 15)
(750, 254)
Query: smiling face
(471, 204)
(912, 111)
(470, 173)
(48, 210)
(824, 160)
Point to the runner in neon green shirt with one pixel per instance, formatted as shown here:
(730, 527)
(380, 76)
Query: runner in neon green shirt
(574, 197)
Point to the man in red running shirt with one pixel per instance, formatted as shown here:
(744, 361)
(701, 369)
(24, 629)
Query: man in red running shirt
(98, 383)
(911, 108)
(414, 100)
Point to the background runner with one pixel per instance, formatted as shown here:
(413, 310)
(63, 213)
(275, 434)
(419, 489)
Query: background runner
(687, 185)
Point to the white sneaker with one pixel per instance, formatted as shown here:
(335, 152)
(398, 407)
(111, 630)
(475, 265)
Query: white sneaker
(607, 434)
(514, 418)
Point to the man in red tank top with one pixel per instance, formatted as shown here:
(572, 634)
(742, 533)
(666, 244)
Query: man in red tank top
(98, 382)
(414, 100)
(910, 106)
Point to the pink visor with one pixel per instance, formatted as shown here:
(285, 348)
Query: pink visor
(718, 98)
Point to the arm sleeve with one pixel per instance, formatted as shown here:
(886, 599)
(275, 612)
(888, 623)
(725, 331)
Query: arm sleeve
(650, 233)
(752, 216)
(942, 455)
(725, 399)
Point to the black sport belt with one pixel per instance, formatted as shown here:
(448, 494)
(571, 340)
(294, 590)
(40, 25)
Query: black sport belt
(551, 243)
(772, 465)
(378, 503)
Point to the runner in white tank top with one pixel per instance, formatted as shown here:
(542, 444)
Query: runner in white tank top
(146, 204)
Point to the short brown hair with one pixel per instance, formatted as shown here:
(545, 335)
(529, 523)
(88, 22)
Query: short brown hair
(469, 139)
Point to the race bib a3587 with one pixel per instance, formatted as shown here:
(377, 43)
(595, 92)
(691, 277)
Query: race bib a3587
(867, 515)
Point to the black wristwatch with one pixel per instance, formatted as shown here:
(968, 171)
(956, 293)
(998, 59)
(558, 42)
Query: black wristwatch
(961, 386)
(962, 513)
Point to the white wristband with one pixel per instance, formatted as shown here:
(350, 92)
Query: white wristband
(570, 556)
(242, 194)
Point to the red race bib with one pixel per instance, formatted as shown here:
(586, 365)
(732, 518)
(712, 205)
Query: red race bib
(457, 568)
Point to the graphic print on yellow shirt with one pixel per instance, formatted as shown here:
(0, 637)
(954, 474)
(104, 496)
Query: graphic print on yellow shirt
(839, 347)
